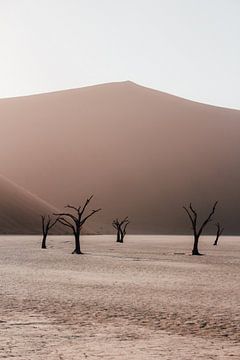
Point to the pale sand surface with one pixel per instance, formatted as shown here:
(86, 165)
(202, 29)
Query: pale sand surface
(135, 301)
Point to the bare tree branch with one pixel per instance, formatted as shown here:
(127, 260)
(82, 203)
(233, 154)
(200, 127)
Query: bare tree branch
(53, 223)
(71, 207)
(91, 214)
(65, 222)
(74, 218)
(190, 216)
(125, 227)
(193, 211)
(209, 218)
(85, 205)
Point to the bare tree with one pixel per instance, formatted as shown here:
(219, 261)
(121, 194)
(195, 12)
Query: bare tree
(121, 227)
(197, 231)
(219, 233)
(116, 225)
(75, 222)
(47, 224)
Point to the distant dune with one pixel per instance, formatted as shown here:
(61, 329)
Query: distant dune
(143, 153)
(20, 210)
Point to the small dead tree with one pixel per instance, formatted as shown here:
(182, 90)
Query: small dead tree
(121, 227)
(116, 225)
(197, 231)
(219, 233)
(75, 222)
(47, 224)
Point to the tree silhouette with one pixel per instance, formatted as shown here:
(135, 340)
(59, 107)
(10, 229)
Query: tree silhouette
(219, 233)
(121, 227)
(197, 231)
(75, 222)
(47, 224)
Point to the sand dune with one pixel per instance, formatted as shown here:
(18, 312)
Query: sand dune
(20, 210)
(142, 153)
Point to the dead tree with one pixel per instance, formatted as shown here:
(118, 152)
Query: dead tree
(197, 231)
(219, 233)
(121, 227)
(116, 225)
(75, 222)
(47, 224)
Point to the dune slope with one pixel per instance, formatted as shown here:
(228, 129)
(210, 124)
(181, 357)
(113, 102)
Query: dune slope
(143, 153)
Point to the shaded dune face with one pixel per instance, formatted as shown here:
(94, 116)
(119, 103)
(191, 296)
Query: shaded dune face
(142, 153)
(20, 210)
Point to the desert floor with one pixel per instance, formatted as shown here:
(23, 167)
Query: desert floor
(144, 299)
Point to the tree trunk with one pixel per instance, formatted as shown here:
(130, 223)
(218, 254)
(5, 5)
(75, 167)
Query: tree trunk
(44, 241)
(77, 244)
(195, 246)
(119, 236)
(216, 241)
(122, 237)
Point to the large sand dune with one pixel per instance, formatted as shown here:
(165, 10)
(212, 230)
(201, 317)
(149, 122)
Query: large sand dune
(142, 153)
(131, 301)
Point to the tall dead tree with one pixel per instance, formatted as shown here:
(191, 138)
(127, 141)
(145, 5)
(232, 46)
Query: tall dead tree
(47, 224)
(75, 222)
(219, 233)
(197, 230)
(121, 227)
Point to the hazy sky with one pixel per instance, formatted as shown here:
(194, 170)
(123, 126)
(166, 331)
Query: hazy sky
(190, 48)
